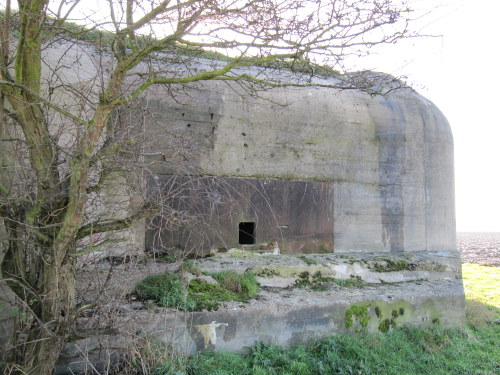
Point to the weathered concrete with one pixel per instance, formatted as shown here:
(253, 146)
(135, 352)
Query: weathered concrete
(389, 160)
(409, 290)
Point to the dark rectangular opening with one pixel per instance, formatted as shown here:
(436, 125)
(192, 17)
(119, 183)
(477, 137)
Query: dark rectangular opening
(246, 233)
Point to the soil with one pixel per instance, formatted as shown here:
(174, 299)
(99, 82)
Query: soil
(480, 248)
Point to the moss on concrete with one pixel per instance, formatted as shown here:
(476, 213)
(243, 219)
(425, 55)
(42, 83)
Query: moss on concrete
(357, 316)
(294, 271)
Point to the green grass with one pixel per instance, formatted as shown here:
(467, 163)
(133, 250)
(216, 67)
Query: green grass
(168, 290)
(244, 284)
(402, 351)
(165, 290)
(434, 351)
(482, 283)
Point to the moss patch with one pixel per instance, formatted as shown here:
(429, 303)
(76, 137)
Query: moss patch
(389, 265)
(287, 271)
(357, 317)
(353, 282)
(308, 260)
(384, 325)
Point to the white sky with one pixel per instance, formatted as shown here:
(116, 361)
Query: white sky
(459, 73)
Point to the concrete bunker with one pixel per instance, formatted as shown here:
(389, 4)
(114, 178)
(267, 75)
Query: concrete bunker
(320, 170)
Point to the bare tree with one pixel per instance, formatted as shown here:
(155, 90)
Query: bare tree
(62, 130)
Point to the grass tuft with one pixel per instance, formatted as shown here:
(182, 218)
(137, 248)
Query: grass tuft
(169, 291)
(165, 290)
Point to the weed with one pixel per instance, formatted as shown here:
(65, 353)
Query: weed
(165, 258)
(168, 290)
(316, 281)
(266, 272)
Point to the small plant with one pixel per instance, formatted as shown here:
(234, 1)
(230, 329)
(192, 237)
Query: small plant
(316, 281)
(266, 272)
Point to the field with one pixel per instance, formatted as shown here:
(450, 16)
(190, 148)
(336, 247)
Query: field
(474, 349)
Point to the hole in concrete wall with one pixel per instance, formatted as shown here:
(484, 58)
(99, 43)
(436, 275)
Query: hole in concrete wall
(188, 125)
(211, 116)
(245, 145)
(246, 233)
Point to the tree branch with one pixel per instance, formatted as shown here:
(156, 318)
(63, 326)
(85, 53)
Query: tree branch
(113, 225)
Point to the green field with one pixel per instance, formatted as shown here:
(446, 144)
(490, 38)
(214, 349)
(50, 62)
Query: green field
(482, 283)
(472, 350)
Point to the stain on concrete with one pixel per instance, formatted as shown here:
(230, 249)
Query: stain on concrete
(391, 155)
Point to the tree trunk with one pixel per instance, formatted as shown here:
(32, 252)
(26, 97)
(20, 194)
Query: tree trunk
(49, 317)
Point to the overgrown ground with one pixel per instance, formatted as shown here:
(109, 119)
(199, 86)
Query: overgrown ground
(472, 350)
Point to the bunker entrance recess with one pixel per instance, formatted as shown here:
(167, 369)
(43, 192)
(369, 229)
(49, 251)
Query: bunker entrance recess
(225, 212)
(246, 233)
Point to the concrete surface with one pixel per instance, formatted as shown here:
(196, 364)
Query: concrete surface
(425, 289)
